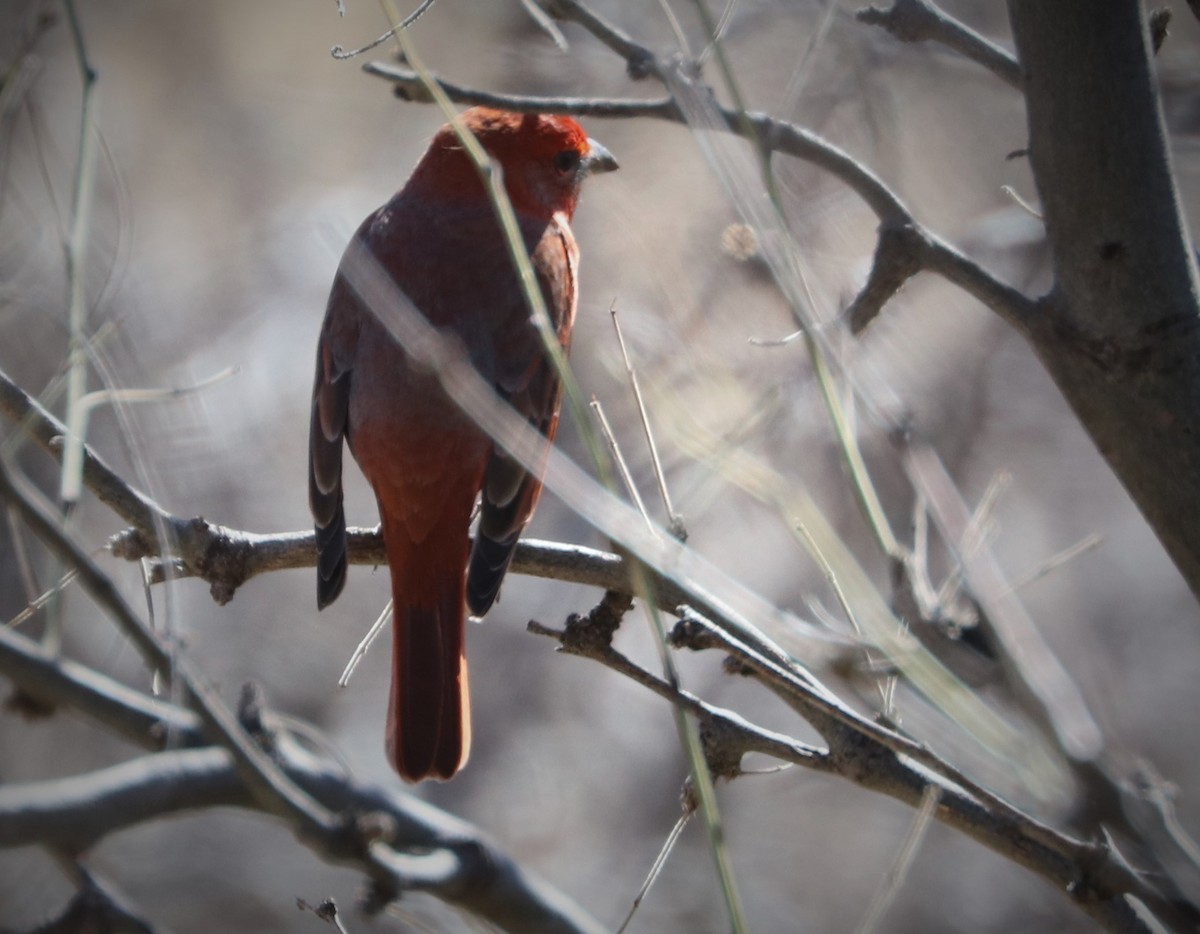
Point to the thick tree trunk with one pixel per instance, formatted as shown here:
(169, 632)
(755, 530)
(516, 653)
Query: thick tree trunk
(1120, 330)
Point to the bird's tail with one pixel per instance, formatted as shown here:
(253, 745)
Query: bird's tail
(429, 718)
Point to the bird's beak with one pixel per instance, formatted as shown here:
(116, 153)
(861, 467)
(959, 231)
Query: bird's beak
(598, 159)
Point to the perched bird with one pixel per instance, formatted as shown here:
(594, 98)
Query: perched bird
(441, 243)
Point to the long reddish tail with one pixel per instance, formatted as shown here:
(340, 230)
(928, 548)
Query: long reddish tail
(429, 717)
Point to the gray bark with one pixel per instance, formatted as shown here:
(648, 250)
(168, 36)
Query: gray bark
(1120, 329)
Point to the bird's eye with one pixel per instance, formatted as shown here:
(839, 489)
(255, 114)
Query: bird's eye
(567, 161)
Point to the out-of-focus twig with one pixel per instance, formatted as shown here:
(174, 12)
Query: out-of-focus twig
(1035, 672)
(96, 906)
(1055, 561)
(76, 263)
(898, 871)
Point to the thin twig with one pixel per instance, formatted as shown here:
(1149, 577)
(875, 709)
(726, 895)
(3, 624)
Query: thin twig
(614, 448)
(108, 486)
(804, 65)
(76, 262)
(749, 737)
(1020, 202)
(640, 60)
(676, 29)
(546, 24)
(360, 650)
(722, 26)
(897, 873)
(1035, 671)
(657, 867)
(1054, 562)
(673, 518)
(39, 601)
(341, 54)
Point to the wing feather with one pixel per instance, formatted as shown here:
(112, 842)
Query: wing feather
(510, 493)
(327, 431)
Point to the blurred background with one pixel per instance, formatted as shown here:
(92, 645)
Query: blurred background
(236, 157)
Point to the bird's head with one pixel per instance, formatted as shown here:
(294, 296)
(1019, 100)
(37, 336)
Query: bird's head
(543, 159)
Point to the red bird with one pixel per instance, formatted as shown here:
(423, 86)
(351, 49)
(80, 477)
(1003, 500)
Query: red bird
(441, 243)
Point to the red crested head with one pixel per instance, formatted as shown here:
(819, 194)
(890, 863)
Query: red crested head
(543, 159)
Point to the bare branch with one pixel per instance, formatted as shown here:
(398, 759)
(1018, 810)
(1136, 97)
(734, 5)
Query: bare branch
(139, 511)
(53, 681)
(272, 789)
(640, 60)
(774, 135)
(227, 558)
(496, 888)
(904, 250)
(409, 87)
(925, 250)
(97, 906)
(897, 259)
(1012, 305)
(339, 53)
(580, 638)
(459, 864)
(922, 21)
(881, 760)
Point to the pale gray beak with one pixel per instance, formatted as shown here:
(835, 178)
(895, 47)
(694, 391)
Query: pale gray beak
(598, 159)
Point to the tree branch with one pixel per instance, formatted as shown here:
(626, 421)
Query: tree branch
(272, 790)
(578, 638)
(458, 863)
(922, 21)
(1120, 330)
(488, 883)
(918, 250)
(30, 416)
(882, 760)
(96, 906)
(51, 680)
(860, 750)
